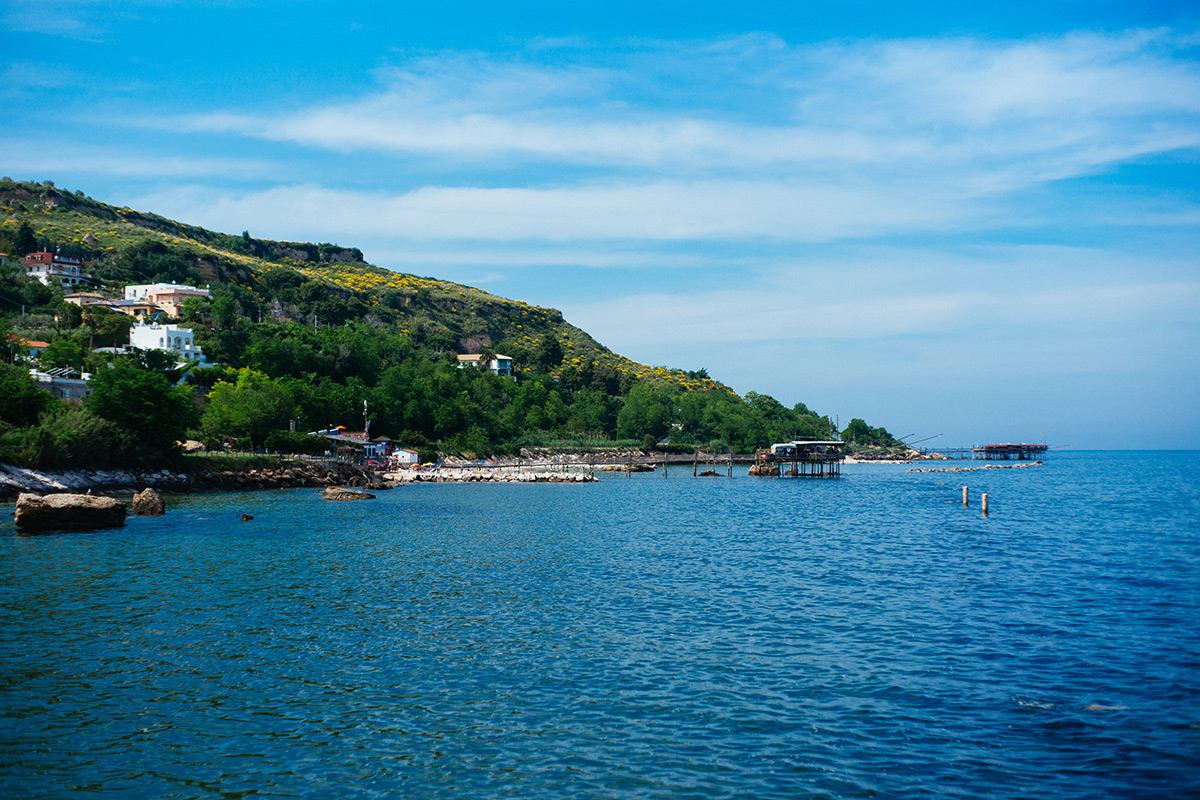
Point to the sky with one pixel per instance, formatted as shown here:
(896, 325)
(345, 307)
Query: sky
(966, 225)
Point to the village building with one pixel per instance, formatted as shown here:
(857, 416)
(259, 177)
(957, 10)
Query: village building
(498, 364)
(156, 336)
(53, 269)
(63, 383)
(403, 457)
(139, 309)
(28, 348)
(170, 297)
(82, 299)
(354, 443)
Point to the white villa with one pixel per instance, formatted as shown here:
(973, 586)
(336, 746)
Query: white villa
(167, 296)
(166, 337)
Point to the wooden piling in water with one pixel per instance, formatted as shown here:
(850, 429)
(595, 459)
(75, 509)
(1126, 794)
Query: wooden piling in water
(964, 496)
(985, 504)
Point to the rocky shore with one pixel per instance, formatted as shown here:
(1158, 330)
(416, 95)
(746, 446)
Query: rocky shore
(288, 475)
(489, 475)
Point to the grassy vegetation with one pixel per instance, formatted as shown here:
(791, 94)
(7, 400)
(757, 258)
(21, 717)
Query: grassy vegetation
(232, 462)
(308, 283)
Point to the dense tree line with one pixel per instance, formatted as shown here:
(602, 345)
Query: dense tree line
(298, 355)
(277, 377)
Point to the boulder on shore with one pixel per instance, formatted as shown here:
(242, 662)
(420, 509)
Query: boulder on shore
(343, 493)
(75, 512)
(149, 503)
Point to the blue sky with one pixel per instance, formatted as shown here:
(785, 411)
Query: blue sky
(981, 222)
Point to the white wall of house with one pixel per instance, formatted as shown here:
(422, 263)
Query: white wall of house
(165, 337)
(143, 291)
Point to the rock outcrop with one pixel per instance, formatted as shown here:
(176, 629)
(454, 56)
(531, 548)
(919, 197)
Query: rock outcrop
(149, 503)
(68, 512)
(343, 493)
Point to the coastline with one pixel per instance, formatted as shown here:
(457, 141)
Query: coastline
(288, 475)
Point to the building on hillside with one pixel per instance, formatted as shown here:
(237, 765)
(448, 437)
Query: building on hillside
(53, 269)
(498, 364)
(63, 383)
(27, 348)
(82, 299)
(170, 297)
(156, 336)
(139, 309)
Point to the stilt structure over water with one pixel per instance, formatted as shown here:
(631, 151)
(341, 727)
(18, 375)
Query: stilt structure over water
(806, 459)
(1007, 452)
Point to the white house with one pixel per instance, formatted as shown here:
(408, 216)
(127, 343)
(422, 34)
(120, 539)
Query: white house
(166, 337)
(403, 458)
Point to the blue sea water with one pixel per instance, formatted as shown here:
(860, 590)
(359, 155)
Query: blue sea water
(865, 636)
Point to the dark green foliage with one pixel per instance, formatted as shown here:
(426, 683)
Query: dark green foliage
(296, 442)
(302, 336)
(25, 241)
(65, 351)
(145, 404)
(859, 432)
(72, 438)
(253, 407)
(549, 353)
(21, 401)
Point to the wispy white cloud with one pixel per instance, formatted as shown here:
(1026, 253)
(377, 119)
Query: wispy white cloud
(662, 210)
(34, 158)
(874, 294)
(1027, 111)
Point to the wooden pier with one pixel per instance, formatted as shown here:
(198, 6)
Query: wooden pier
(1008, 452)
(992, 452)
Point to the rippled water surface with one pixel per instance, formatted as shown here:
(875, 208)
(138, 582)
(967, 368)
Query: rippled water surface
(637, 638)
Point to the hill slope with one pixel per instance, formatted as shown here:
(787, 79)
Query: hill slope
(304, 282)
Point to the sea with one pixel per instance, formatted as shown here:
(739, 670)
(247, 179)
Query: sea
(866, 636)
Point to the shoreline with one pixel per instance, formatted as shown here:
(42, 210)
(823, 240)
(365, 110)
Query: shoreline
(288, 475)
(297, 474)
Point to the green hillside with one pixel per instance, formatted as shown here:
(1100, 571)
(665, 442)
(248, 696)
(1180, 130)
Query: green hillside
(302, 282)
(302, 336)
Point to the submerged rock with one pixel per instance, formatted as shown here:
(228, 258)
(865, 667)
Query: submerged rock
(68, 512)
(149, 503)
(343, 493)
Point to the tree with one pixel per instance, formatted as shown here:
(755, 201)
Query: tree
(224, 311)
(250, 408)
(549, 353)
(26, 241)
(63, 352)
(144, 403)
(21, 401)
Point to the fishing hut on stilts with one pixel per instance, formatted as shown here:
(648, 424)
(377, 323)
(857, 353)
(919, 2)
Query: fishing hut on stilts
(800, 459)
